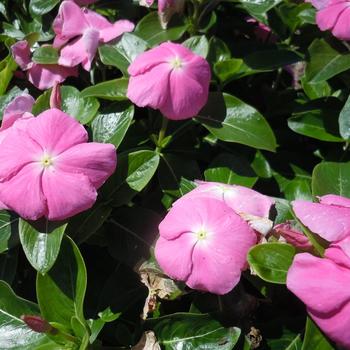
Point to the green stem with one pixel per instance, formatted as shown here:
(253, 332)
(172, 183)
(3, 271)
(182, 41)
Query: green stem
(162, 132)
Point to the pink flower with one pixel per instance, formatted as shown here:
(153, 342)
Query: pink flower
(204, 243)
(170, 78)
(293, 236)
(81, 31)
(334, 15)
(330, 218)
(322, 284)
(43, 76)
(48, 169)
(262, 31)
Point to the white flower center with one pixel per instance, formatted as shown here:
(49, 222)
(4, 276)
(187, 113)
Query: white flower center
(176, 63)
(46, 161)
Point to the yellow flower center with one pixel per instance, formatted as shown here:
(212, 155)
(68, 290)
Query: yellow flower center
(176, 63)
(201, 234)
(46, 161)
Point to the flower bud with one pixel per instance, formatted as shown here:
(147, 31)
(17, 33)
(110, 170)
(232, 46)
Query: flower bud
(37, 324)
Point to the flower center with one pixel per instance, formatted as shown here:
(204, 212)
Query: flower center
(176, 63)
(201, 234)
(46, 161)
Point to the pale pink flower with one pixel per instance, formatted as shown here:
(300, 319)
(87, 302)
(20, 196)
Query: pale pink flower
(322, 285)
(334, 15)
(43, 76)
(48, 169)
(170, 78)
(330, 218)
(204, 243)
(80, 31)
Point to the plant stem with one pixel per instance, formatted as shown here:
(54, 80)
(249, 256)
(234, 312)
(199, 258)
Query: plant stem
(162, 131)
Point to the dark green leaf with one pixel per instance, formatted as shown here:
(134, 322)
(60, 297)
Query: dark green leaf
(114, 90)
(41, 247)
(198, 44)
(40, 7)
(344, 121)
(271, 261)
(314, 338)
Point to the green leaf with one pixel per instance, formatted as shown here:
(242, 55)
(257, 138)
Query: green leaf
(7, 68)
(271, 261)
(135, 170)
(111, 124)
(6, 99)
(231, 169)
(46, 55)
(259, 7)
(41, 247)
(14, 333)
(239, 123)
(344, 121)
(150, 30)
(193, 332)
(40, 7)
(61, 291)
(8, 226)
(114, 90)
(314, 338)
(316, 119)
(329, 177)
(325, 62)
(232, 69)
(218, 51)
(198, 44)
(122, 53)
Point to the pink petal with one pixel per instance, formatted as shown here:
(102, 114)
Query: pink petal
(320, 4)
(151, 88)
(328, 17)
(219, 259)
(116, 30)
(332, 199)
(21, 54)
(73, 53)
(175, 256)
(23, 193)
(330, 222)
(44, 76)
(67, 194)
(90, 40)
(319, 283)
(69, 23)
(16, 109)
(95, 160)
(95, 20)
(56, 131)
(149, 59)
(292, 236)
(341, 29)
(16, 151)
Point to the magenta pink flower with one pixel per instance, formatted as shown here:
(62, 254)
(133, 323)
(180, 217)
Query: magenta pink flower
(48, 169)
(330, 218)
(80, 31)
(322, 285)
(43, 76)
(204, 243)
(170, 78)
(334, 15)
(293, 236)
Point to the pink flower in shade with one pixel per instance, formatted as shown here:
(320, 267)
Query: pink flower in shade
(80, 31)
(48, 169)
(262, 31)
(170, 78)
(322, 285)
(334, 15)
(43, 76)
(204, 243)
(330, 218)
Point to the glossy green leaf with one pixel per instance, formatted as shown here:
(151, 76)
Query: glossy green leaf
(40, 7)
(150, 30)
(7, 68)
(14, 333)
(255, 7)
(194, 332)
(314, 338)
(271, 261)
(114, 90)
(218, 51)
(329, 177)
(46, 55)
(41, 247)
(231, 169)
(122, 53)
(112, 123)
(8, 227)
(239, 123)
(344, 121)
(198, 44)
(135, 170)
(61, 291)
(325, 62)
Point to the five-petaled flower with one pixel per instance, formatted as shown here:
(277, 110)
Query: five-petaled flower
(47, 168)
